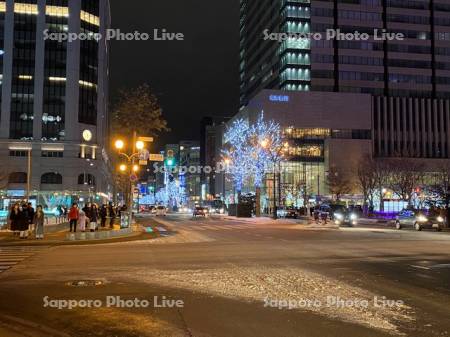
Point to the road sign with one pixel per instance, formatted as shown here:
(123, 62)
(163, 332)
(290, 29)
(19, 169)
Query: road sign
(146, 139)
(143, 162)
(156, 157)
(133, 177)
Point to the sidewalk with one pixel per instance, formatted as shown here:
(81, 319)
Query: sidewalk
(63, 237)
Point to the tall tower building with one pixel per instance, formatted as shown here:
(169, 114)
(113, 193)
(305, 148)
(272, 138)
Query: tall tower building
(54, 97)
(347, 46)
(418, 66)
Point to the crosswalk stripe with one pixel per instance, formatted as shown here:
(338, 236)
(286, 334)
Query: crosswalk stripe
(9, 260)
(11, 256)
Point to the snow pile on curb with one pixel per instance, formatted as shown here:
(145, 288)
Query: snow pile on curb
(281, 285)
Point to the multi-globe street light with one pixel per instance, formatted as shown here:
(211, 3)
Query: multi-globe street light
(131, 167)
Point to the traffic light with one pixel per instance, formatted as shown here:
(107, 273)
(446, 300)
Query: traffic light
(170, 162)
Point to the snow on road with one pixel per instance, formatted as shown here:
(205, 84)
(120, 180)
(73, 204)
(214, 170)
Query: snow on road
(278, 286)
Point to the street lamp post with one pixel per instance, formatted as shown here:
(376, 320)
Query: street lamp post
(132, 168)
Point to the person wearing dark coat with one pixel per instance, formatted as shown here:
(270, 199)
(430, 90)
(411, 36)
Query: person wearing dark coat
(87, 209)
(24, 222)
(112, 214)
(14, 218)
(30, 213)
(103, 215)
(93, 218)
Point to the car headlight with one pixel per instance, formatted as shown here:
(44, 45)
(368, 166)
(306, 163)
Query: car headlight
(440, 219)
(422, 218)
(353, 217)
(339, 216)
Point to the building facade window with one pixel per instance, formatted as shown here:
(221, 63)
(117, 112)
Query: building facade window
(52, 154)
(18, 153)
(51, 178)
(86, 179)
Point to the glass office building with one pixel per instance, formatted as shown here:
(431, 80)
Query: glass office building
(417, 66)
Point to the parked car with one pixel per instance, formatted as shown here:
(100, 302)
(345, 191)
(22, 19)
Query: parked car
(161, 211)
(418, 220)
(200, 211)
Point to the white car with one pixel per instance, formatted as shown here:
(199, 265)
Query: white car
(161, 211)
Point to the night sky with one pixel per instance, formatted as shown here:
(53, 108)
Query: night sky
(192, 78)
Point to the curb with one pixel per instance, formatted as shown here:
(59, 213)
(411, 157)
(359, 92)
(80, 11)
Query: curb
(104, 235)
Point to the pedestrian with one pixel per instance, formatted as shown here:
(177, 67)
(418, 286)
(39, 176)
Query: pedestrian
(103, 215)
(87, 211)
(14, 217)
(59, 213)
(65, 212)
(82, 219)
(38, 221)
(74, 214)
(112, 215)
(31, 212)
(24, 222)
(93, 218)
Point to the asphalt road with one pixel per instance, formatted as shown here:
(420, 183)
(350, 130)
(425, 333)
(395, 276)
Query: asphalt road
(224, 272)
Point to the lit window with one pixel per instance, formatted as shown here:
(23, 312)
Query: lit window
(87, 84)
(57, 11)
(57, 79)
(89, 18)
(26, 9)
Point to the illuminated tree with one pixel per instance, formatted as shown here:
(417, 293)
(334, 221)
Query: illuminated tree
(251, 150)
(236, 151)
(265, 143)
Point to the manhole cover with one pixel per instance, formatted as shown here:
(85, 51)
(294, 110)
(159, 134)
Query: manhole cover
(85, 283)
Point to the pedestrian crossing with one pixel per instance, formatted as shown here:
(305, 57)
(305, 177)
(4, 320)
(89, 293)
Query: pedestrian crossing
(218, 227)
(11, 256)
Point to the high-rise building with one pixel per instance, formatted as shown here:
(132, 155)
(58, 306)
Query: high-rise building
(210, 154)
(417, 66)
(54, 96)
(345, 46)
(346, 79)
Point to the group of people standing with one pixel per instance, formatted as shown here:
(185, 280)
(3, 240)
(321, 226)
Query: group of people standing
(88, 217)
(25, 220)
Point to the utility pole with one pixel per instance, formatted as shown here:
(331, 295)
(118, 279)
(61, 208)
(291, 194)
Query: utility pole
(29, 173)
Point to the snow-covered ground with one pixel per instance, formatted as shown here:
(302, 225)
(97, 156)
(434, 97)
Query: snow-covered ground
(281, 286)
